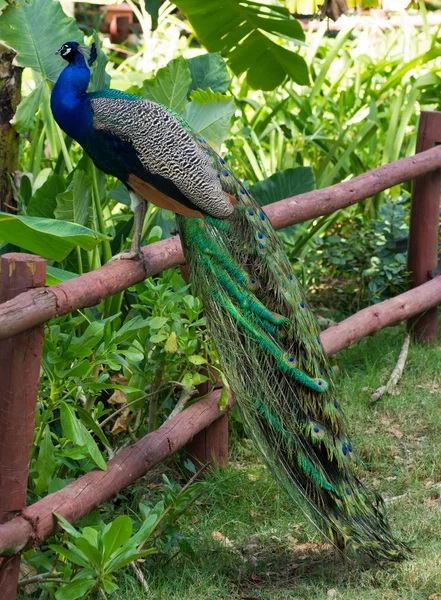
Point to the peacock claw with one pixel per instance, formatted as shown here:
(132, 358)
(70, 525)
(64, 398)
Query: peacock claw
(128, 255)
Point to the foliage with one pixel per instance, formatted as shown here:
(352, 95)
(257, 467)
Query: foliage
(368, 264)
(88, 558)
(239, 30)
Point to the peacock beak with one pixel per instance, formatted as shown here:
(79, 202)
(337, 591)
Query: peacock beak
(58, 51)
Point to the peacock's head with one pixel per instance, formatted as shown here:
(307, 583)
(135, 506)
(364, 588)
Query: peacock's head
(70, 50)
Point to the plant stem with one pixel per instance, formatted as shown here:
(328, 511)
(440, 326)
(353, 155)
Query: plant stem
(80, 260)
(153, 408)
(110, 417)
(107, 251)
(64, 150)
(151, 213)
(42, 578)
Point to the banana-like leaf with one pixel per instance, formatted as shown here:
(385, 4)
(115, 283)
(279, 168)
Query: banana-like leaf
(284, 184)
(240, 30)
(47, 237)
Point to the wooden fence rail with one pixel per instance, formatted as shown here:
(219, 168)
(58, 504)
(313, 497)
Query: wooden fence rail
(33, 525)
(20, 315)
(38, 306)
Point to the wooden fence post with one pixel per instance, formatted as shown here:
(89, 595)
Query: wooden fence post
(210, 444)
(20, 358)
(422, 258)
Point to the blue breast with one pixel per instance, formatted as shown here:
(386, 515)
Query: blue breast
(69, 102)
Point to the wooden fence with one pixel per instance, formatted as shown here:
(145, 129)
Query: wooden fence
(25, 304)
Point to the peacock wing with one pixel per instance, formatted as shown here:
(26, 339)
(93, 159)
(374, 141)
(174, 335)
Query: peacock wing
(166, 147)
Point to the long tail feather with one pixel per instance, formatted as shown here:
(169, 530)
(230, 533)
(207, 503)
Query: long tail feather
(269, 347)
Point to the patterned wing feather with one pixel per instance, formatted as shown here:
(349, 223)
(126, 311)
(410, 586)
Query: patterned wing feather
(166, 148)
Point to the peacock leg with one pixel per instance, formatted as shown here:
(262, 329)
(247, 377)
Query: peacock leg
(139, 207)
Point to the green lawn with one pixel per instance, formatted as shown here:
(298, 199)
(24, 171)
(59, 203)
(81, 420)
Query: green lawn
(274, 552)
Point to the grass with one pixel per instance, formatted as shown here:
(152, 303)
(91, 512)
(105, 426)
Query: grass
(273, 552)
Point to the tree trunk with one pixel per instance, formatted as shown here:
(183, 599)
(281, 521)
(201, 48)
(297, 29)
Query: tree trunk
(10, 84)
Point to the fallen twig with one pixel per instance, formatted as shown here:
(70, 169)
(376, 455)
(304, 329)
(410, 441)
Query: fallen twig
(396, 373)
(42, 578)
(140, 576)
(396, 498)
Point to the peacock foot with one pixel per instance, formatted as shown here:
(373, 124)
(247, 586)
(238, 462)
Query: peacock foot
(128, 255)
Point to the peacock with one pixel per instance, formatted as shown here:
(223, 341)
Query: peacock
(266, 337)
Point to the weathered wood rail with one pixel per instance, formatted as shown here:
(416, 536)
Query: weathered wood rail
(22, 312)
(38, 306)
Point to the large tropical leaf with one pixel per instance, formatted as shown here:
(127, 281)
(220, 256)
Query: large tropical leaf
(74, 204)
(241, 30)
(99, 79)
(170, 85)
(209, 71)
(44, 201)
(47, 237)
(283, 184)
(35, 30)
(209, 113)
(24, 118)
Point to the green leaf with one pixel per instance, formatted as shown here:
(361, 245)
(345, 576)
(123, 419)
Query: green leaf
(74, 204)
(75, 589)
(110, 586)
(99, 79)
(170, 85)
(47, 237)
(91, 535)
(241, 30)
(171, 345)
(45, 463)
(157, 322)
(117, 535)
(198, 378)
(223, 400)
(283, 184)
(92, 553)
(74, 430)
(44, 201)
(70, 555)
(145, 530)
(54, 275)
(68, 527)
(152, 7)
(88, 420)
(36, 30)
(196, 359)
(25, 116)
(127, 558)
(120, 194)
(56, 484)
(209, 113)
(209, 71)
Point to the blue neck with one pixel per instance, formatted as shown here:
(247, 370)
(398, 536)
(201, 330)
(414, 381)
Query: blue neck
(69, 102)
